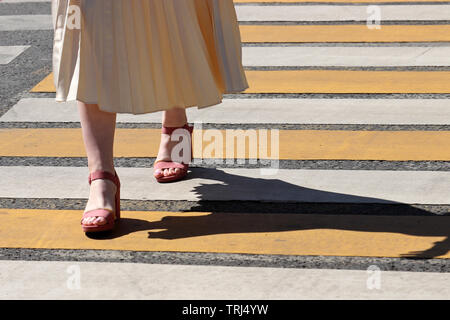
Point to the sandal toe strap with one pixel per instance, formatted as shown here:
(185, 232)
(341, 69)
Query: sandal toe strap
(169, 164)
(104, 213)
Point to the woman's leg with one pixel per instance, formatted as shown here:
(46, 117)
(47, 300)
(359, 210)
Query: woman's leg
(175, 117)
(98, 128)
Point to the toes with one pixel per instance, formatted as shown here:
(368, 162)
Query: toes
(158, 173)
(167, 172)
(94, 221)
(100, 221)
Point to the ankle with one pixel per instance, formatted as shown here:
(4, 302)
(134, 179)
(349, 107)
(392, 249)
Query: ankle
(175, 117)
(101, 167)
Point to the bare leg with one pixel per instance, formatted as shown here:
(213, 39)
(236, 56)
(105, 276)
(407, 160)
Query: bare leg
(98, 128)
(175, 117)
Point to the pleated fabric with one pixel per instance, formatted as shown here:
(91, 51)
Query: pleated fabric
(141, 56)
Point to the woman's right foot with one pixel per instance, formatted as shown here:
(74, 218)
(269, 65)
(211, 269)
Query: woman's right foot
(175, 117)
(101, 195)
(164, 154)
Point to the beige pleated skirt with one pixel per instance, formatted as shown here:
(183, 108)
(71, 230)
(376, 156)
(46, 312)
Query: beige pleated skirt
(141, 56)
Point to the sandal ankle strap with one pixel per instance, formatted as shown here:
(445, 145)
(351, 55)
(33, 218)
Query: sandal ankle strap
(169, 130)
(104, 175)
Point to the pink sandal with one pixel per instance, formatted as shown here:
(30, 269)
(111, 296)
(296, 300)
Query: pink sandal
(160, 164)
(108, 214)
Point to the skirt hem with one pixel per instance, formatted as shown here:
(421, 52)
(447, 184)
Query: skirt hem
(155, 109)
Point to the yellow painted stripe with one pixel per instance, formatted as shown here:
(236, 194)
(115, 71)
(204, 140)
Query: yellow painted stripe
(333, 1)
(342, 81)
(45, 85)
(331, 81)
(293, 144)
(344, 33)
(286, 234)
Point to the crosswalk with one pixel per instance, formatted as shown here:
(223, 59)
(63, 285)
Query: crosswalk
(362, 120)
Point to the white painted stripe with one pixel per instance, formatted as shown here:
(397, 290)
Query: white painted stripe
(347, 56)
(337, 56)
(275, 13)
(22, 1)
(340, 186)
(290, 111)
(9, 53)
(26, 22)
(59, 280)
(342, 13)
(329, 12)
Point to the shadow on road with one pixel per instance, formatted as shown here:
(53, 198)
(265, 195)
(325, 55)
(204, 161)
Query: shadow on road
(410, 220)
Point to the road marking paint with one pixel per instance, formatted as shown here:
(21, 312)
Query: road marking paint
(293, 144)
(368, 2)
(9, 53)
(54, 280)
(345, 56)
(326, 12)
(331, 81)
(287, 234)
(344, 33)
(26, 22)
(392, 187)
(289, 111)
